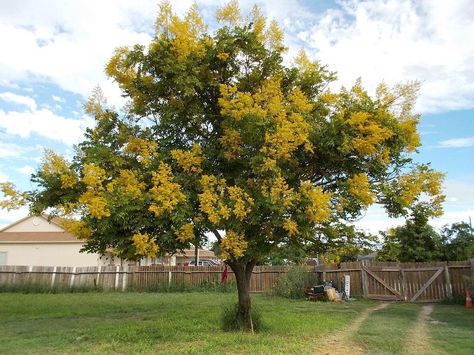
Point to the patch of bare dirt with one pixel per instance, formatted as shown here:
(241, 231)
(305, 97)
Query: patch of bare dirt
(340, 343)
(418, 343)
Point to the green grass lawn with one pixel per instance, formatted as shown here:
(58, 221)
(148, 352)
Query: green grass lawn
(176, 323)
(386, 330)
(160, 323)
(452, 329)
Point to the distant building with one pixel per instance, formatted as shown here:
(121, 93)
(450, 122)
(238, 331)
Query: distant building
(35, 241)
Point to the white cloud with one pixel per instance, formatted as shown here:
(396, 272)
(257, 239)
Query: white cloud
(18, 99)
(57, 98)
(26, 170)
(9, 217)
(457, 143)
(45, 123)
(10, 150)
(398, 40)
(69, 43)
(458, 207)
(3, 177)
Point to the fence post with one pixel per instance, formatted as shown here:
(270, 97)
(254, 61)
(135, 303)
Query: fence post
(169, 278)
(117, 269)
(364, 279)
(404, 283)
(73, 275)
(472, 267)
(98, 276)
(449, 288)
(125, 278)
(53, 276)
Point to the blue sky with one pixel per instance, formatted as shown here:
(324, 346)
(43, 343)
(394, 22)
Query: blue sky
(54, 52)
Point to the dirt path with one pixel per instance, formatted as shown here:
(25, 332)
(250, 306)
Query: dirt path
(340, 343)
(418, 342)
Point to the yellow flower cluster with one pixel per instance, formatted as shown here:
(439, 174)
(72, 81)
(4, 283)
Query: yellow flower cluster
(96, 203)
(258, 21)
(291, 227)
(128, 182)
(210, 200)
(421, 181)
(300, 102)
(184, 34)
(185, 233)
(223, 56)
(359, 186)
(268, 104)
(280, 192)
(408, 128)
(232, 142)
(292, 131)
(229, 13)
(94, 198)
(165, 193)
(189, 161)
(318, 208)
(237, 104)
(274, 35)
(55, 165)
(93, 176)
(78, 228)
(144, 245)
(14, 199)
(369, 133)
(233, 245)
(241, 201)
(144, 149)
(213, 196)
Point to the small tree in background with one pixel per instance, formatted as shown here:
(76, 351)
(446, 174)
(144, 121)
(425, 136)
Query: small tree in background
(220, 137)
(458, 240)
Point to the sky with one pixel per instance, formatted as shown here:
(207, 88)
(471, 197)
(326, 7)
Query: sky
(53, 54)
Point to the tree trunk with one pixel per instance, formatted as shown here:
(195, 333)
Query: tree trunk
(243, 273)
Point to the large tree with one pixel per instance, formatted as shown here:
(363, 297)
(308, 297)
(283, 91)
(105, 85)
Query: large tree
(221, 137)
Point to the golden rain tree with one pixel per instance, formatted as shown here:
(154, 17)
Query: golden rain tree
(220, 137)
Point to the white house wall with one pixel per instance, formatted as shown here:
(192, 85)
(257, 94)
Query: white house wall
(53, 254)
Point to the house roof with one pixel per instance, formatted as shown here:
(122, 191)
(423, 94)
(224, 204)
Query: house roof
(40, 237)
(55, 220)
(203, 254)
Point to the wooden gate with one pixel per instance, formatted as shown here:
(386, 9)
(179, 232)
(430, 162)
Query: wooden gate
(382, 283)
(410, 284)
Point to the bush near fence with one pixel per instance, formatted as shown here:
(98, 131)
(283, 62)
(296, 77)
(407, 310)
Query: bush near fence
(406, 279)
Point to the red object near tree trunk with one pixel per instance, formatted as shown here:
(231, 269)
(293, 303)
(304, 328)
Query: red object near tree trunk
(224, 275)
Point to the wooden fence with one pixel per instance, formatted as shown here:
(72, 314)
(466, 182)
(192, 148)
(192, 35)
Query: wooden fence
(415, 282)
(139, 278)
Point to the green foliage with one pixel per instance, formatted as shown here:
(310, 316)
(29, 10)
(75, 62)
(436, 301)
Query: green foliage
(293, 283)
(458, 240)
(416, 241)
(232, 320)
(390, 249)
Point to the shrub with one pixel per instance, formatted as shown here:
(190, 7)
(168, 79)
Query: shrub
(232, 320)
(293, 283)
